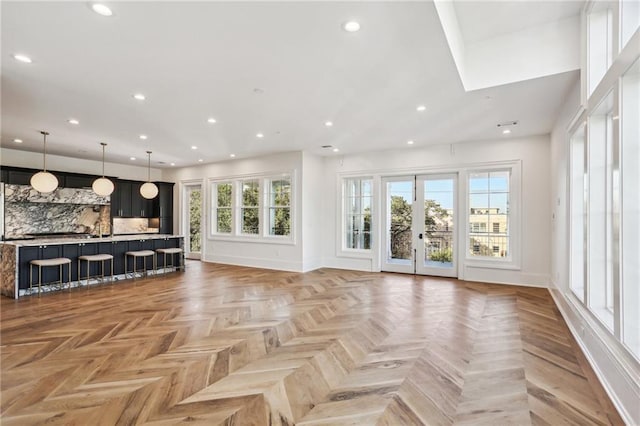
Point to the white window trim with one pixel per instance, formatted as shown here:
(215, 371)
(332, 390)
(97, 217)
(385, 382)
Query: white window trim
(267, 206)
(239, 206)
(262, 237)
(341, 249)
(214, 208)
(513, 261)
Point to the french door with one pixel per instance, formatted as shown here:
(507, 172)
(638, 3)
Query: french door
(192, 215)
(419, 217)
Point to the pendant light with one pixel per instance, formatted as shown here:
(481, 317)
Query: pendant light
(149, 190)
(102, 186)
(44, 181)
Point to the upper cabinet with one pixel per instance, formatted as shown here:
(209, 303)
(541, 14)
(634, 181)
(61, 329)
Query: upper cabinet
(126, 200)
(163, 203)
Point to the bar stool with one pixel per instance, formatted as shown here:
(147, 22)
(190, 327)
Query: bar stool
(93, 258)
(136, 254)
(172, 251)
(40, 263)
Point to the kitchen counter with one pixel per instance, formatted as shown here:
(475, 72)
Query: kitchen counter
(71, 240)
(16, 256)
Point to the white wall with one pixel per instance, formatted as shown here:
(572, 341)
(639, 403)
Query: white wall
(533, 152)
(312, 210)
(611, 362)
(255, 253)
(33, 160)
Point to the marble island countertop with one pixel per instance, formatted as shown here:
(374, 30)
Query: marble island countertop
(72, 240)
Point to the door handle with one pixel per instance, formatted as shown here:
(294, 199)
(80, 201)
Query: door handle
(420, 236)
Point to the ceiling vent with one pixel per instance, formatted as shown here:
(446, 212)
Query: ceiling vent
(508, 124)
(327, 146)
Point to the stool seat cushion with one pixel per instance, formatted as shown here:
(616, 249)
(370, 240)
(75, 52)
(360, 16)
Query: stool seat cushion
(170, 250)
(51, 262)
(95, 257)
(141, 253)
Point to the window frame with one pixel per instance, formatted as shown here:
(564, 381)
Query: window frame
(214, 208)
(344, 214)
(513, 260)
(262, 236)
(341, 225)
(267, 206)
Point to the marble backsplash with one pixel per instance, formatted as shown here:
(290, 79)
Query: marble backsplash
(23, 219)
(136, 225)
(26, 193)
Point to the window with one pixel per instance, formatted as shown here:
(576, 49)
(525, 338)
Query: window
(599, 211)
(280, 206)
(630, 208)
(577, 213)
(489, 204)
(600, 42)
(250, 207)
(223, 211)
(256, 207)
(357, 209)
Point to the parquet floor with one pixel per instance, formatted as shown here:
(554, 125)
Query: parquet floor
(237, 346)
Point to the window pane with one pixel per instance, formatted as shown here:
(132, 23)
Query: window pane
(280, 220)
(224, 194)
(250, 221)
(478, 182)
(489, 214)
(357, 213)
(630, 223)
(577, 213)
(223, 221)
(250, 193)
(599, 223)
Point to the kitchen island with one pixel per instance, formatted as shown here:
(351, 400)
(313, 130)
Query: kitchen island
(17, 255)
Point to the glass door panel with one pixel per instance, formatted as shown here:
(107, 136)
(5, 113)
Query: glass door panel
(436, 238)
(193, 201)
(399, 216)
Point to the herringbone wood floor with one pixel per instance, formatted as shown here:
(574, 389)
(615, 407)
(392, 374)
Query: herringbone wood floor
(238, 346)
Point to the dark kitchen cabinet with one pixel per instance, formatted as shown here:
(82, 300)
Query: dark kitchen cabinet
(166, 225)
(49, 274)
(163, 203)
(75, 181)
(118, 250)
(140, 206)
(23, 177)
(126, 200)
(121, 199)
(4, 175)
(73, 251)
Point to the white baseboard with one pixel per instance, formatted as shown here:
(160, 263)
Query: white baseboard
(311, 264)
(613, 367)
(497, 276)
(255, 262)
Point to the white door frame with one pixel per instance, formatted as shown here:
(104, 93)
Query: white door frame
(185, 187)
(416, 265)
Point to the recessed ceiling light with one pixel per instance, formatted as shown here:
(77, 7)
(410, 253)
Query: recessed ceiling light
(22, 58)
(351, 26)
(211, 120)
(143, 137)
(101, 9)
(194, 147)
(73, 121)
(259, 135)
(335, 150)
(139, 96)
(506, 131)
(173, 164)
(409, 142)
(132, 158)
(232, 155)
(17, 140)
(328, 123)
(200, 160)
(421, 108)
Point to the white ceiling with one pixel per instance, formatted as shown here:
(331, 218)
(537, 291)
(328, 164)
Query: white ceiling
(482, 20)
(194, 60)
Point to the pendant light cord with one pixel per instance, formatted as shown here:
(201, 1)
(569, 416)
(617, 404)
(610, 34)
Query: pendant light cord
(103, 145)
(149, 166)
(44, 151)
